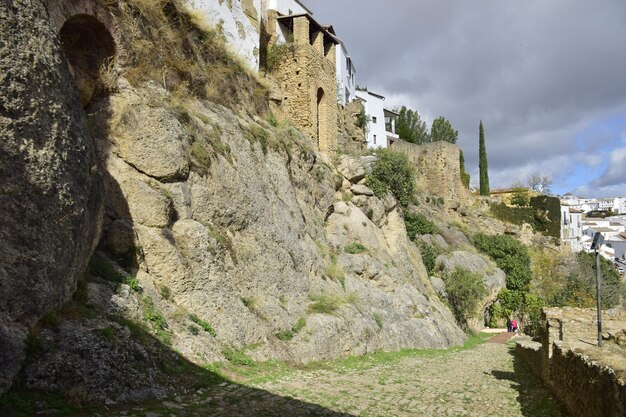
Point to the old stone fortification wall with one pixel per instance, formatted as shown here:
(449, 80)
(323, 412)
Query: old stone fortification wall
(590, 381)
(307, 78)
(49, 192)
(437, 168)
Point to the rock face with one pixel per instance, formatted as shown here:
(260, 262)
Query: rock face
(243, 238)
(49, 199)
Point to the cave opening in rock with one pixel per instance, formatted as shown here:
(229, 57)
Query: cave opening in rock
(89, 49)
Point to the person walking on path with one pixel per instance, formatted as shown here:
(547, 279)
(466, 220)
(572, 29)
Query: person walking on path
(509, 325)
(513, 326)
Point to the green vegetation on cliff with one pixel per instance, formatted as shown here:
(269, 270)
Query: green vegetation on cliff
(392, 173)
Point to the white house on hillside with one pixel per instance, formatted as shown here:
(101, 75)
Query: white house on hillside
(346, 75)
(572, 228)
(381, 126)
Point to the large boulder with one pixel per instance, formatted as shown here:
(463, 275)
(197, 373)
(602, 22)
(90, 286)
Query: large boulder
(49, 194)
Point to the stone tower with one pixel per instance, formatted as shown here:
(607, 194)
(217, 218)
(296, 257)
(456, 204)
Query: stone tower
(307, 74)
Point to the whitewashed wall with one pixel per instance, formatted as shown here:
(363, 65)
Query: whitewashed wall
(240, 21)
(286, 7)
(346, 83)
(375, 110)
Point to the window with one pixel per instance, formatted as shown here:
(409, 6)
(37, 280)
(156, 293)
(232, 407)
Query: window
(373, 119)
(374, 139)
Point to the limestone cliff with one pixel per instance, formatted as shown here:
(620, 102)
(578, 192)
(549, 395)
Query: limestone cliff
(221, 231)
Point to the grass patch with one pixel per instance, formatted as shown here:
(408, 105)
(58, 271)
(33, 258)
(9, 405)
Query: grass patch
(329, 303)
(263, 372)
(289, 334)
(166, 44)
(156, 319)
(203, 324)
(102, 267)
(355, 248)
(237, 357)
(378, 318)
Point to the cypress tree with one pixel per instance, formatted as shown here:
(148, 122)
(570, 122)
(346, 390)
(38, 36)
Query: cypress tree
(482, 162)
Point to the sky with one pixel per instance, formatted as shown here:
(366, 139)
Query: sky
(546, 77)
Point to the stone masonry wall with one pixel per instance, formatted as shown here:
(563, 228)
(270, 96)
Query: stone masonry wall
(590, 381)
(438, 169)
(307, 77)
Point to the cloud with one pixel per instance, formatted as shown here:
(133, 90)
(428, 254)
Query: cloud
(615, 173)
(543, 76)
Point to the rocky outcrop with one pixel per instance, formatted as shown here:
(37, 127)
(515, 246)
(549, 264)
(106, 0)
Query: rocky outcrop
(49, 192)
(252, 237)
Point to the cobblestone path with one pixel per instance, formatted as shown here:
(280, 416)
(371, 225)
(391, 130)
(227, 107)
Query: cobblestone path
(486, 380)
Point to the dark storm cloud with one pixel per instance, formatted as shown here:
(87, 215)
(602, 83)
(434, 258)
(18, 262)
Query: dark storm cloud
(536, 72)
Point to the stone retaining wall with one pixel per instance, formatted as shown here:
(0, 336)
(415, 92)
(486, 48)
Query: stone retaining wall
(589, 381)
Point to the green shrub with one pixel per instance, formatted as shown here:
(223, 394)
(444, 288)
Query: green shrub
(547, 215)
(285, 335)
(465, 290)
(417, 224)
(194, 330)
(511, 256)
(362, 119)
(580, 287)
(277, 53)
(152, 315)
(355, 248)
(203, 324)
(429, 256)
(520, 197)
(515, 215)
(392, 173)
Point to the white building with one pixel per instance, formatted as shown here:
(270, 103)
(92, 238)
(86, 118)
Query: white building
(572, 228)
(619, 205)
(381, 125)
(618, 244)
(346, 75)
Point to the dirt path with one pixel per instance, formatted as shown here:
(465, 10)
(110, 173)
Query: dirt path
(486, 380)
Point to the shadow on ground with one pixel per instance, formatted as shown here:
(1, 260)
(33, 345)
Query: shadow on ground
(191, 390)
(535, 399)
